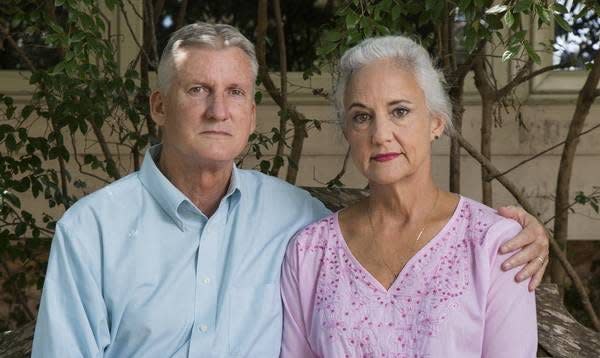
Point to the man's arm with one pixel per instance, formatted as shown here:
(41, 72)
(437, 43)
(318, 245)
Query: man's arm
(72, 319)
(533, 246)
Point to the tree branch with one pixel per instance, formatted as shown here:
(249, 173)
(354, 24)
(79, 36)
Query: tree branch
(554, 246)
(283, 117)
(296, 117)
(180, 19)
(343, 170)
(19, 51)
(521, 77)
(20, 297)
(585, 99)
(105, 150)
(132, 33)
(540, 154)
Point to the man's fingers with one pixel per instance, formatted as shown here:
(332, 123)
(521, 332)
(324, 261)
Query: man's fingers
(513, 212)
(536, 279)
(522, 239)
(535, 251)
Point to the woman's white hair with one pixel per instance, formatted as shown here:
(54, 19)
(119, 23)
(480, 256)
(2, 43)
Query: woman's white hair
(214, 36)
(408, 54)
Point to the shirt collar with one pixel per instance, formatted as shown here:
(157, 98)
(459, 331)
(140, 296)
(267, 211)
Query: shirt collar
(166, 194)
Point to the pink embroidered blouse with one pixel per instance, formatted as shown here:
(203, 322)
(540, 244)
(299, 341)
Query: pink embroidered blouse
(450, 300)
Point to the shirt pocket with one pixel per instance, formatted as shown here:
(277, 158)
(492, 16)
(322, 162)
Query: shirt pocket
(255, 320)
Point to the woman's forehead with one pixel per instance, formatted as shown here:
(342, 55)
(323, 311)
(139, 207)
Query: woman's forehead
(382, 80)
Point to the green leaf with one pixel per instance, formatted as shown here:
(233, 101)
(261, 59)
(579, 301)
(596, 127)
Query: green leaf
(258, 97)
(562, 23)
(264, 166)
(11, 198)
(20, 229)
(26, 111)
(396, 12)
(532, 54)
(559, 8)
(277, 161)
(522, 5)
(509, 19)
(507, 55)
(496, 9)
(54, 26)
(352, 19)
(332, 36)
(544, 14)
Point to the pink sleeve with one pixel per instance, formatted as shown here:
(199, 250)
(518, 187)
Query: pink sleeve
(295, 340)
(510, 320)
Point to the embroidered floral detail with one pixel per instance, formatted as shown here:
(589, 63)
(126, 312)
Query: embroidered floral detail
(354, 312)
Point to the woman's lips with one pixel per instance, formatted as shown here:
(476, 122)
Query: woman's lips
(384, 157)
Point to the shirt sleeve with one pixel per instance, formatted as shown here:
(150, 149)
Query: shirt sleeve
(72, 318)
(295, 338)
(510, 318)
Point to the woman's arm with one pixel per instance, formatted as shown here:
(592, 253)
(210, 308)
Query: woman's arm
(510, 316)
(294, 341)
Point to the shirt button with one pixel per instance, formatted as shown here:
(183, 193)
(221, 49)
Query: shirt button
(203, 328)
(206, 280)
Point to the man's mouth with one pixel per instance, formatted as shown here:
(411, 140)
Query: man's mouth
(216, 133)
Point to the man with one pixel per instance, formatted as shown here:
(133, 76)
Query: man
(182, 259)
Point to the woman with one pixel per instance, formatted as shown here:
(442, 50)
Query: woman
(413, 270)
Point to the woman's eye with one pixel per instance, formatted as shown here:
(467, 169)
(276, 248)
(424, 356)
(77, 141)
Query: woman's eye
(361, 118)
(399, 112)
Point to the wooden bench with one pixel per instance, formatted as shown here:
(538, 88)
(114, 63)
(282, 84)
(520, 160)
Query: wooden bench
(560, 335)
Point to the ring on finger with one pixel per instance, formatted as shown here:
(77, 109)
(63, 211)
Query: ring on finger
(542, 259)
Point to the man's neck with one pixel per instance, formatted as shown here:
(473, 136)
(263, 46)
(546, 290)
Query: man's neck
(204, 186)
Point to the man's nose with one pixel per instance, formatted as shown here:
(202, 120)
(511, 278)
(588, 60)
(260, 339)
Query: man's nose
(217, 108)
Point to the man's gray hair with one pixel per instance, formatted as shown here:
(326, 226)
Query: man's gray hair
(408, 54)
(214, 36)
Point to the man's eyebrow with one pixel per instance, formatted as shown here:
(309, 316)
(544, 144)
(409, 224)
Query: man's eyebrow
(237, 85)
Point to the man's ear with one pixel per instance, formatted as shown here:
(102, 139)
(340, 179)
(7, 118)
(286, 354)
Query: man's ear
(157, 108)
(253, 119)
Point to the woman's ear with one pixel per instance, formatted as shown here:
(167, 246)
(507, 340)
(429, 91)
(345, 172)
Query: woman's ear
(437, 126)
(157, 108)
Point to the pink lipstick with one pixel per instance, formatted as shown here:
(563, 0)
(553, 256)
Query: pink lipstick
(384, 157)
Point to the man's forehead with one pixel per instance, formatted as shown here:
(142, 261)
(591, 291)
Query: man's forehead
(231, 53)
(203, 63)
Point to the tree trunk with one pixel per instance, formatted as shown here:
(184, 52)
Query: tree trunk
(585, 99)
(487, 93)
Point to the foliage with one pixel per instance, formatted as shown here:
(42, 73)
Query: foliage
(81, 97)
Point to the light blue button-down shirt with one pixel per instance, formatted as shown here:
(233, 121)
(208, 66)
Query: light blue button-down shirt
(136, 270)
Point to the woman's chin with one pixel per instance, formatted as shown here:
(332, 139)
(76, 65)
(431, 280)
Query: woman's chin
(387, 178)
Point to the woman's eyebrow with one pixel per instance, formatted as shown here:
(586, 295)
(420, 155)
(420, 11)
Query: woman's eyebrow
(399, 101)
(356, 104)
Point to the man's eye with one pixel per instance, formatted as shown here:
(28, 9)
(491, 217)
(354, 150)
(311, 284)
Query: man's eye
(197, 90)
(237, 92)
(399, 112)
